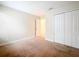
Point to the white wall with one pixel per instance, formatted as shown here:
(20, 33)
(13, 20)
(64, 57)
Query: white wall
(38, 27)
(65, 27)
(15, 25)
(50, 27)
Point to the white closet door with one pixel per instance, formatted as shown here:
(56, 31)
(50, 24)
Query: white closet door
(59, 28)
(77, 41)
(68, 28)
(77, 29)
(75, 37)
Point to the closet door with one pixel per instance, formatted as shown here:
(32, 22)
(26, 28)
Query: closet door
(59, 28)
(68, 28)
(75, 37)
(77, 41)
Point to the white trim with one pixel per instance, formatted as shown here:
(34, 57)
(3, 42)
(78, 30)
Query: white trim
(60, 43)
(11, 42)
(49, 39)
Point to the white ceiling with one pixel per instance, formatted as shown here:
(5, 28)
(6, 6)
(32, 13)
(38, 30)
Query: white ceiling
(40, 8)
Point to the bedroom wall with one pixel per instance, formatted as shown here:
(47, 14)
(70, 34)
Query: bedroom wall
(15, 25)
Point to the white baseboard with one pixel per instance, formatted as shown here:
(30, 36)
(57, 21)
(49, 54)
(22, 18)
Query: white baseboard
(49, 39)
(11, 42)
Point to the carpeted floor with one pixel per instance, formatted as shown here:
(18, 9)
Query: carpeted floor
(37, 47)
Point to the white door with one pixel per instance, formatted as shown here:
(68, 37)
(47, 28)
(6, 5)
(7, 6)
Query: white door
(59, 28)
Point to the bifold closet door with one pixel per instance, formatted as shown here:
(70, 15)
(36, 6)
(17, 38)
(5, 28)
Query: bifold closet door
(72, 29)
(59, 28)
(68, 28)
(75, 37)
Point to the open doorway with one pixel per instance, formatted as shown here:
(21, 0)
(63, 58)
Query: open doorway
(40, 27)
